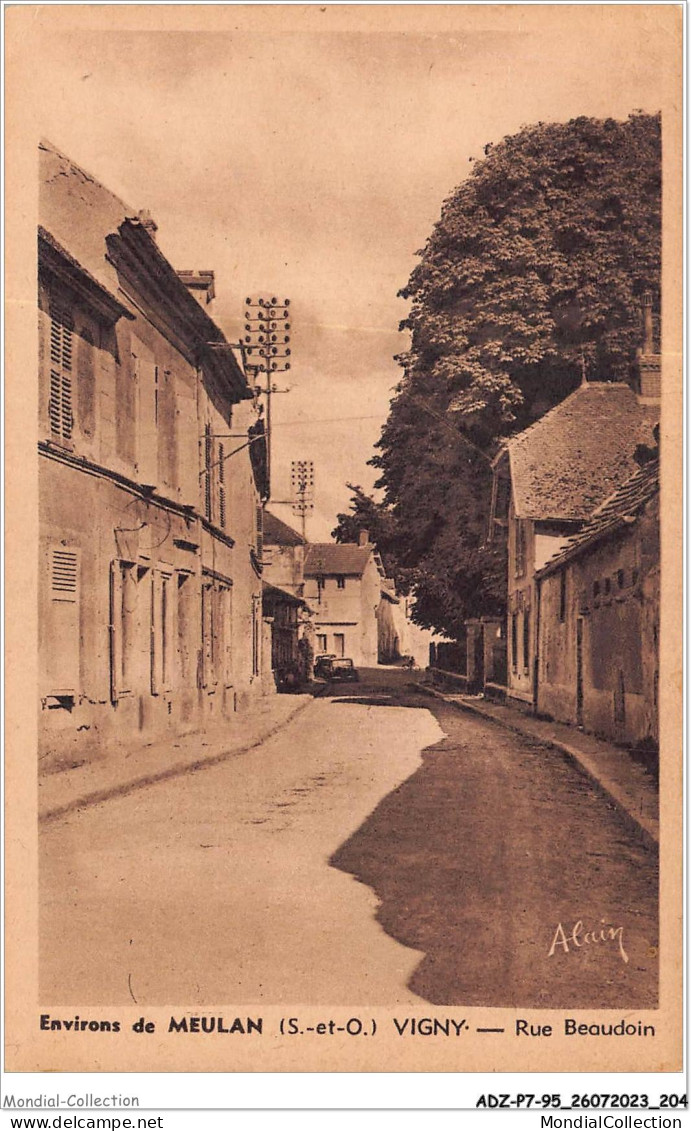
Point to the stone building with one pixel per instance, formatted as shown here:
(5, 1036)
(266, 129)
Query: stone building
(343, 590)
(548, 479)
(292, 635)
(598, 611)
(150, 502)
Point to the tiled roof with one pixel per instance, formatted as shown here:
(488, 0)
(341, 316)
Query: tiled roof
(620, 508)
(576, 455)
(275, 593)
(336, 557)
(278, 533)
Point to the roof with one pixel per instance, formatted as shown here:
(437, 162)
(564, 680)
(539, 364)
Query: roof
(278, 533)
(578, 453)
(99, 231)
(337, 557)
(275, 593)
(620, 509)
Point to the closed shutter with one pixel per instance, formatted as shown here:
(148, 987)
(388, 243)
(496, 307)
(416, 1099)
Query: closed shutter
(61, 627)
(208, 451)
(63, 575)
(260, 532)
(60, 396)
(222, 514)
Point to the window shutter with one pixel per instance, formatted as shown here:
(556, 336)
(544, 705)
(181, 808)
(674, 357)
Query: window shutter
(222, 516)
(260, 532)
(207, 470)
(64, 575)
(60, 396)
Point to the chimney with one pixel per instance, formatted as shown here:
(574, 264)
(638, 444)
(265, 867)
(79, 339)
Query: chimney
(649, 362)
(200, 284)
(147, 221)
(364, 538)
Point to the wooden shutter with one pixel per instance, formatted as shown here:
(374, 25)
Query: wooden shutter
(60, 411)
(208, 452)
(260, 532)
(64, 575)
(222, 512)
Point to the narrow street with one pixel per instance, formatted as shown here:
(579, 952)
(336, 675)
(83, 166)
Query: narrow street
(383, 848)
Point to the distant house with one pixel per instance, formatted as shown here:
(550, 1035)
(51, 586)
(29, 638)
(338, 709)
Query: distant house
(548, 480)
(343, 589)
(599, 615)
(283, 555)
(391, 624)
(283, 577)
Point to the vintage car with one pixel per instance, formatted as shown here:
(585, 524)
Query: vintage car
(341, 668)
(321, 664)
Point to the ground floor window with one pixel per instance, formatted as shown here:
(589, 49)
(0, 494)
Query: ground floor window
(339, 643)
(321, 642)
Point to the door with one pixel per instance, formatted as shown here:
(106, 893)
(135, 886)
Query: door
(339, 643)
(579, 672)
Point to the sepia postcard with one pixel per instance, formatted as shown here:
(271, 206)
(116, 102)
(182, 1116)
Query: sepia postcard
(343, 538)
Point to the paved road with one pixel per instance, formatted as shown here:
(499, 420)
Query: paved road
(239, 883)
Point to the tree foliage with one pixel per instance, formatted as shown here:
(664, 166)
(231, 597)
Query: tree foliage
(534, 272)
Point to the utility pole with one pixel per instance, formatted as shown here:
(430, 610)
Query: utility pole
(267, 348)
(302, 483)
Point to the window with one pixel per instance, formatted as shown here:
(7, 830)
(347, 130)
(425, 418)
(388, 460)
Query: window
(60, 396)
(514, 641)
(596, 589)
(256, 635)
(132, 612)
(520, 547)
(621, 578)
(146, 382)
(339, 643)
(321, 642)
(161, 634)
(562, 595)
(526, 640)
(340, 582)
(608, 586)
(185, 629)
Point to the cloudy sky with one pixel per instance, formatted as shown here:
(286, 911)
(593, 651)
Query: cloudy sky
(306, 151)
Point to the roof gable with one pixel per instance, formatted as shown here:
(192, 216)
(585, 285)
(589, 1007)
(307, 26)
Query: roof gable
(575, 456)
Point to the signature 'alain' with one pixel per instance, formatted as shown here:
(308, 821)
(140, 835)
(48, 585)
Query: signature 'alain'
(579, 937)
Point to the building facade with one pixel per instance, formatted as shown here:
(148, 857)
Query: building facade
(599, 619)
(548, 480)
(343, 591)
(150, 520)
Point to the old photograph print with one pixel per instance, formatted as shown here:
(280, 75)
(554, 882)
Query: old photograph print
(347, 347)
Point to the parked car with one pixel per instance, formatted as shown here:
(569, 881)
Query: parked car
(343, 669)
(321, 664)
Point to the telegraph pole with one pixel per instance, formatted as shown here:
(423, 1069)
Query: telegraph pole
(302, 483)
(267, 339)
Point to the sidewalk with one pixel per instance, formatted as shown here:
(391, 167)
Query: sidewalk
(611, 768)
(125, 770)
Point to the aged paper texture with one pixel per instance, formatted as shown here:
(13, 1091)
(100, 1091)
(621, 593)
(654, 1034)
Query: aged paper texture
(204, 873)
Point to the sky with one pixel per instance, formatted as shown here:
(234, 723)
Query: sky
(305, 152)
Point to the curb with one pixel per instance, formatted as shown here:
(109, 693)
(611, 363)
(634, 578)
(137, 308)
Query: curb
(177, 770)
(639, 829)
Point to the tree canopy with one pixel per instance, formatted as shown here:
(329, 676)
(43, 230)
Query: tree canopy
(532, 277)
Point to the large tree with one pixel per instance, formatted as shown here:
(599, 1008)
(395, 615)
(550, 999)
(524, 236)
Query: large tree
(532, 277)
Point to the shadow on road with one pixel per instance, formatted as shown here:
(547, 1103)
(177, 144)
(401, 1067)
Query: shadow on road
(478, 857)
